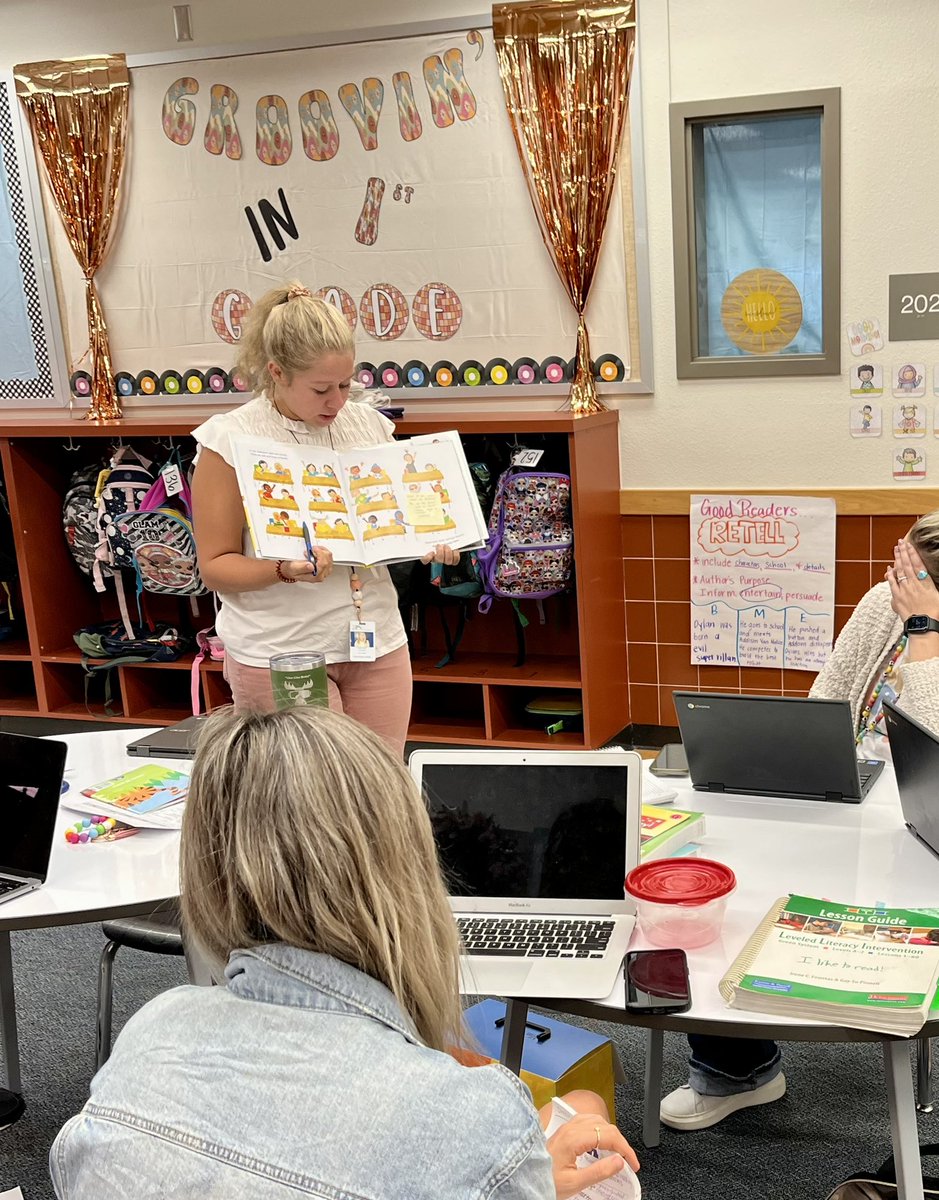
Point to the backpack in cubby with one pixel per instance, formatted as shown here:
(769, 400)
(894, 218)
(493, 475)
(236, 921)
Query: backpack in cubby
(530, 552)
(80, 517)
(122, 489)
(159, 534)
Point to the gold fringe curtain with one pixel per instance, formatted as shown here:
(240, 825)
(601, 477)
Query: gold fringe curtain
(77, 110)
(565, 70)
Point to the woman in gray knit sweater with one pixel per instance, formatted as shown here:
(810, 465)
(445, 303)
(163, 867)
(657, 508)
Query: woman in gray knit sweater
(888, 650)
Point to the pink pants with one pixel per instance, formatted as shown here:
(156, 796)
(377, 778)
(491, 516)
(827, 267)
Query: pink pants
(376, 693)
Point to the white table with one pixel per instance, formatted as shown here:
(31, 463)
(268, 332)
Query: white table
(88, 883)
(842, 852)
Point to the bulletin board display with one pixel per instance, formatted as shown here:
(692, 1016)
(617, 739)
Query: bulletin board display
(384, 175)
(31, 361)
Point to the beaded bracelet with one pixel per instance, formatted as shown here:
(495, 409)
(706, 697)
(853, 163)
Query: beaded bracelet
(280, 575)
(88, 829)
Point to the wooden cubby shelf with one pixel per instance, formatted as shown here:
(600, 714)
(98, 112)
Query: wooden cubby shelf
(477, 699)
(15, 650)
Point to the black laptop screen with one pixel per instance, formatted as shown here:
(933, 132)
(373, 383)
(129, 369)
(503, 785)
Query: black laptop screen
(521, 830)
(30, 782)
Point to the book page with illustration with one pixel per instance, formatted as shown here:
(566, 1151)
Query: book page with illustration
(381, 504)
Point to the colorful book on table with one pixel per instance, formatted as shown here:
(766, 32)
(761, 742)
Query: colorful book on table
(141, 790)
(388, 503)
(667, 831)
(862, 967)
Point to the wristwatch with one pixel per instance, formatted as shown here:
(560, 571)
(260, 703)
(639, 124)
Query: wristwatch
(921, 625)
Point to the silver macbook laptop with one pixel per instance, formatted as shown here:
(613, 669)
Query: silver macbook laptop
(915, 753)
(773, 746)
(535, 846)
(31, 771)
(175, 741)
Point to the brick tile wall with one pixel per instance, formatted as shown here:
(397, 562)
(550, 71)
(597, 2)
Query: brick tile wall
(658, 627)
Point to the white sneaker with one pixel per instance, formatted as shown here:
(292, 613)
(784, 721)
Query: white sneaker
(687, 1109)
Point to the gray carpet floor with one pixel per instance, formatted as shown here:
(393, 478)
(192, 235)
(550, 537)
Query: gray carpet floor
(833, 1119)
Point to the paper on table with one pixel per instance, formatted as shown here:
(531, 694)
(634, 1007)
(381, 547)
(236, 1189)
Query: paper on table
(13, 1194)
(170, 816)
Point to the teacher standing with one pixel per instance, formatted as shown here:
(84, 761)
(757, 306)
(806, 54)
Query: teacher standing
(297, 355)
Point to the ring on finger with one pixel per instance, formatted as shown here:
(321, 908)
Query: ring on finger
(597, 1128)
(902, 578)
(922, 575)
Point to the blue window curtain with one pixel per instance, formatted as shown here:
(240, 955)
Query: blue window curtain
(758, 190)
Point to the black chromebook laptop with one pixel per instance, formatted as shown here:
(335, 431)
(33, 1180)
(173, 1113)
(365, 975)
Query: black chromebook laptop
(31, 771)
(773, 746)
(916, 765)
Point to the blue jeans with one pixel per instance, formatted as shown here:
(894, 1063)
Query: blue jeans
(724, 1066)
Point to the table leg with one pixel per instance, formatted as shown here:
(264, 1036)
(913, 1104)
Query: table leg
(652, 1095)
(11, 1052)
(513, 1034)
(903, 1129)
(924, 1075)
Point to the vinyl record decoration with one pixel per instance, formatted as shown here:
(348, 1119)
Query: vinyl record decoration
(193, 382)
(216, 380)
(472, 373)
(498, 371)
(526, 371)
(126, 384)
(366, 374)
(171, 383)
(416, 374)
(554, 370)
(443, 374)
(609, 369)
(80, 384)
(148, 383)
(389, 375)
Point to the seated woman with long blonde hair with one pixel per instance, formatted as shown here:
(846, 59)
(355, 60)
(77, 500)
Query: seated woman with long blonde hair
(321, 1068)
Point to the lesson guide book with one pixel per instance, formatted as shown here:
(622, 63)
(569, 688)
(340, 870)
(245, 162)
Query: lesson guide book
(387, 503)
(865, 968)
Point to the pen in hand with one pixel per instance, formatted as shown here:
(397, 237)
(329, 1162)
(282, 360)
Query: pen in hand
(311, 557)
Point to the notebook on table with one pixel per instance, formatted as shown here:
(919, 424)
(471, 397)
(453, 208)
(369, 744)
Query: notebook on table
(535, 846)
(31, 771)
(773, 746)
(916, 765)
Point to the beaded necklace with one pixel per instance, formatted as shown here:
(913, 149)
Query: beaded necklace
(868, 725)
(355, 582)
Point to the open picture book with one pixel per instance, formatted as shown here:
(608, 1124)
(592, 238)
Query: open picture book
(384, 504)
(865, 968)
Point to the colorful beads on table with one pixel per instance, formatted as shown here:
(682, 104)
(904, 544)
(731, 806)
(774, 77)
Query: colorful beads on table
(89, 829)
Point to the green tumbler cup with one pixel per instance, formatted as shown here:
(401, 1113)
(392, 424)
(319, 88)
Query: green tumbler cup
(299, 679)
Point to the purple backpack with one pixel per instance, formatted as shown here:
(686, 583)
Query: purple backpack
(530, 552)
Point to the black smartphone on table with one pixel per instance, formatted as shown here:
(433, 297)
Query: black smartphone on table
(657, 981)
(670, 760)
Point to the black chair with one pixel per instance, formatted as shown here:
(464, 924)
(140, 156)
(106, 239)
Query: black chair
(158, 933)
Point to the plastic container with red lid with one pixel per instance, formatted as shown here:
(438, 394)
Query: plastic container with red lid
(681, 901)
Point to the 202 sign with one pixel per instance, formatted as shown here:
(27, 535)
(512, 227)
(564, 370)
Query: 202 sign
(920, 303)
(914, 307)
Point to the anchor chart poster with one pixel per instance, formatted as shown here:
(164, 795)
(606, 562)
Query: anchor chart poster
(384, 176)
(762, 580)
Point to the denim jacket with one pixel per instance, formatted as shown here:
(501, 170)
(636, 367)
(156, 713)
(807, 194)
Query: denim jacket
(302, 1077)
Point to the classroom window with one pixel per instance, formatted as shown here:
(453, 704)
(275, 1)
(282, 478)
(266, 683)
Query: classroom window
(755, 187)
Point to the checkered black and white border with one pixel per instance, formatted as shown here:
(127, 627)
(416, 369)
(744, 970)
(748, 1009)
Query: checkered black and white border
(41, 385)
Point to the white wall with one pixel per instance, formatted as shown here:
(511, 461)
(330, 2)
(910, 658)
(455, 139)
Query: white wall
(792, 432)
(689, 434)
